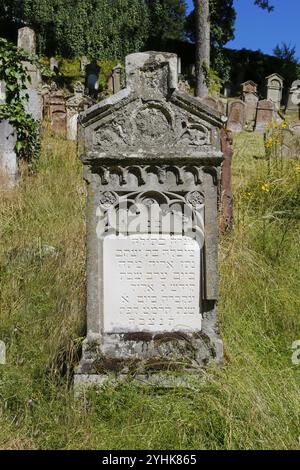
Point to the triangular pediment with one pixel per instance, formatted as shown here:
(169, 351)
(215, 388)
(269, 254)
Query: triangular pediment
(151, 114)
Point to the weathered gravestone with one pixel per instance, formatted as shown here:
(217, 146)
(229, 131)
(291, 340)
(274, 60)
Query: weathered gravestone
(265, 114)
(236, 116)
(152, 157)
(274, 89)
(75, 104)
(34, 106)
(250, 98)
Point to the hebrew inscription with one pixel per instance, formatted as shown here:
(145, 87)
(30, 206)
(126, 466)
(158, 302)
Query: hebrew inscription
(151, 283)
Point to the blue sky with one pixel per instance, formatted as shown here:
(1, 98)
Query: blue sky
(257, 29)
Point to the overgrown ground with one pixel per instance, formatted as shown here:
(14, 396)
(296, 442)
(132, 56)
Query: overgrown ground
(252, 403)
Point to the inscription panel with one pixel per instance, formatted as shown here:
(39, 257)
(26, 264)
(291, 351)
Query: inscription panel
(151, 283)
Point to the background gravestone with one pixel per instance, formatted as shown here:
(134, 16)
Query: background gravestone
(236, 116)
(265, 114)
(34, 106)
(250, 98)
(76, 103)
(152, 159)
(274, 89)
(293, 98)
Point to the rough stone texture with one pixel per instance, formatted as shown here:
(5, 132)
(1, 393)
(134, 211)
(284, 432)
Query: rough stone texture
(274, 85)
(55, 110)
(8, 157)
(236, 116)
(293, 98)
(265, 113)
(27, 40)
(75, 104)
(150, 153)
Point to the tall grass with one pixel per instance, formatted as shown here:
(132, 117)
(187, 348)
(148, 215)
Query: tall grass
(253, 402)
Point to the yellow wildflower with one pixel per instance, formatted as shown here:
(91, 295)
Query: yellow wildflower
(283, 124)
(269, 143)
(265, 187)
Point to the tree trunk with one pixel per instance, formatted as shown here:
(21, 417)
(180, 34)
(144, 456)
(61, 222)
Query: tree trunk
(202, 45)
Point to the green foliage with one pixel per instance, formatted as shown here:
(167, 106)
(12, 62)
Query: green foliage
(14, 74)
(100, 29)
(285, 52)
(167, 21)
(214, 82)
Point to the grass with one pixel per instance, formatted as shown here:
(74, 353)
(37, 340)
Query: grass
(253, 402)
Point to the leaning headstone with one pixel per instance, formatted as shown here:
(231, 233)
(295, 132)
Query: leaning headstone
(293, 99)
(34, 106)
(274, 89)
(8, 156)
(152, 158)
(75, 104)
(265, 114)
(236, 116)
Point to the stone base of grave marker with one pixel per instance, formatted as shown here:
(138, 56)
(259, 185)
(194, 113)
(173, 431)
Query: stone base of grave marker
(152, 162)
